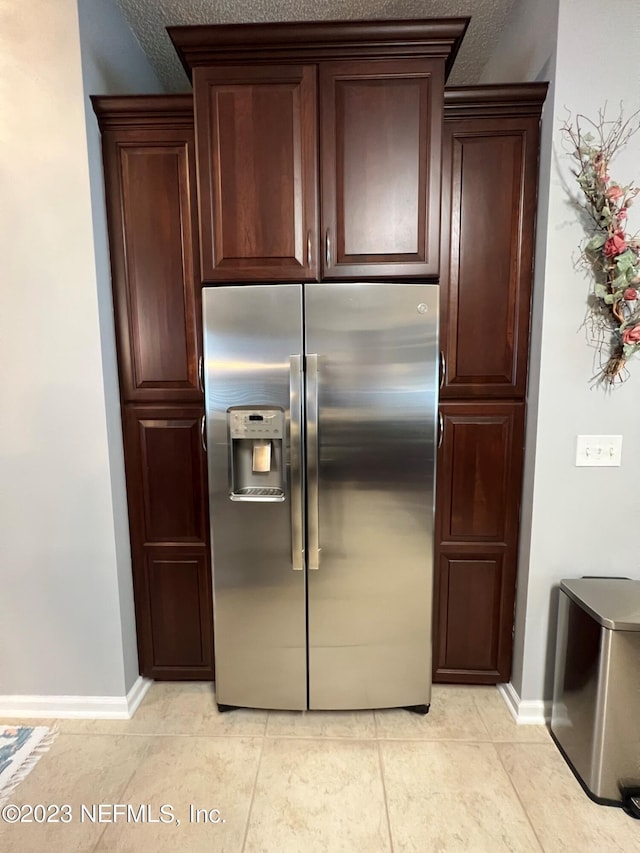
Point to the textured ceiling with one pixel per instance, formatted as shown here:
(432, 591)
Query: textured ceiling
(148, 19)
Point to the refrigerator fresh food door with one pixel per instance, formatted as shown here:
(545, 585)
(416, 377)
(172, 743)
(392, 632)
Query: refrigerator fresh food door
(371, 353)
(253, 399)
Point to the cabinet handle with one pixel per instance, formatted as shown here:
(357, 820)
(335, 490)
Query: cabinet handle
(443, 368)
(440, 429)
(327, 248)
(309, 255)
(201, 374)
(203, 438)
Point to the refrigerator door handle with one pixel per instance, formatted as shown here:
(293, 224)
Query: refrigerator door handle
(203, 434)
(313, 520)
(295, 409)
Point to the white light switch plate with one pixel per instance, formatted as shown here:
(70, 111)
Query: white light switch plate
(599, 450)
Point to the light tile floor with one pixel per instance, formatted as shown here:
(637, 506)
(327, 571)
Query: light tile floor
(465, 777)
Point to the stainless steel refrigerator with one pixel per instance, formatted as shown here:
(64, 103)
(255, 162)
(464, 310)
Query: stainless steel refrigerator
(321, 409)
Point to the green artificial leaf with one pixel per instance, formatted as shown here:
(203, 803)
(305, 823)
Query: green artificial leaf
(596, 242)
(632, 272)
(609, 298)
(625, 260)
(619, 284)
(630, 349)
(600, 291)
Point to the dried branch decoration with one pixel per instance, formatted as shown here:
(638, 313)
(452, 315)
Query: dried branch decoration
(610, 253)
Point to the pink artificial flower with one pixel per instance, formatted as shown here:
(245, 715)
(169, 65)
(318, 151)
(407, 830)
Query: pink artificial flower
(622, 214)
(614, 192)
(631, 336)
(615, 245)
(631, 294)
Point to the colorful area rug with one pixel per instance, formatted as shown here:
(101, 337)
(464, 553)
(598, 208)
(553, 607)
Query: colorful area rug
(21, 747)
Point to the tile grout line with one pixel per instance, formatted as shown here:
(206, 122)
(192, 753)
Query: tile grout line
(481, 718)
(519, 798)
(120, 797)
(427, 738)
(253, 790)
(384, 794)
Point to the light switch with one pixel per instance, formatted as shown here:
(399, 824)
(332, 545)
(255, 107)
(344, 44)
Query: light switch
(599, 450)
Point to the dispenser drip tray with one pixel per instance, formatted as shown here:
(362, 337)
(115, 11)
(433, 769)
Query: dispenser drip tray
(258, 493)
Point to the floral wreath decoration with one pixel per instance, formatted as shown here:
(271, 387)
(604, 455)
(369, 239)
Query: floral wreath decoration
(612, 255)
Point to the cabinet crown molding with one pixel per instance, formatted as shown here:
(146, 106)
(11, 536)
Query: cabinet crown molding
(502, 100)
(312, 41)
(127, 111)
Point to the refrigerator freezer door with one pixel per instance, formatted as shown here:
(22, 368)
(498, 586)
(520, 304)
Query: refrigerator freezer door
(371, 498)
(252, 350)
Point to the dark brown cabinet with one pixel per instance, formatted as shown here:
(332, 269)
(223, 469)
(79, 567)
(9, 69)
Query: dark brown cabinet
(149, 165)
(477, 511)
(167, 493)
(257, 161)
(489, 185)
(489, 188)
(381, 126)
(318, 156)
(285, 199)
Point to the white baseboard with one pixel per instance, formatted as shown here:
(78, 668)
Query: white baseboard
(525, 713)
(77, 707)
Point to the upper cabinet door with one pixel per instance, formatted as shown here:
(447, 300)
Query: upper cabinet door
(381, 124)
(257, 172)
(488, 211)
(150, 178)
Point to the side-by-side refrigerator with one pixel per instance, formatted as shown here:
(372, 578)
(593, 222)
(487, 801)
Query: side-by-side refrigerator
(321, 426)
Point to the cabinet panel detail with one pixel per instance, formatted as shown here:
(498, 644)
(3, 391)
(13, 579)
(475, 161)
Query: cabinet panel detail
(380, 160)
(178, 609)
(484, 265)
(387, 211)
(151, 207)
(170, 467)
(257, 164)
(161, 320)
(488, 209)
(479, 471)
(167, 480)
(470, 602)
(473, 634)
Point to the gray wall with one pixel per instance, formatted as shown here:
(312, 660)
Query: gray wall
(112, 63)
(575, 521)
(65, 625)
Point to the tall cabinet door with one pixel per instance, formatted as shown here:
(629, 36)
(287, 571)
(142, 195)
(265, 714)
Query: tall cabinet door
(489, 188)
(257, 172)
(149, 167)
(381, 124)
(151, 201)
(479, 485)
(166, 485)
(371, 380)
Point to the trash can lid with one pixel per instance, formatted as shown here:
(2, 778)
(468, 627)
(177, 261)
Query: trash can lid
(613, 602)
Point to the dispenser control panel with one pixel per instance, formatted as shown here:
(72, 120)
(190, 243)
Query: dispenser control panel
(256, 423)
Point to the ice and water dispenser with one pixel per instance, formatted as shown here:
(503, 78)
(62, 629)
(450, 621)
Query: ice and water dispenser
(256, 438)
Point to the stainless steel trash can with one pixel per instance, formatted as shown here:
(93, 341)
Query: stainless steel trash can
(596, 699)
